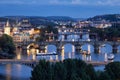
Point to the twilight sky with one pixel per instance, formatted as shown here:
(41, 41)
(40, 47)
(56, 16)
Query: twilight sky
(72, 8)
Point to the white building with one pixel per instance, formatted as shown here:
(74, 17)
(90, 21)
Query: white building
(20, 37)
(101, 24)
(7, 28)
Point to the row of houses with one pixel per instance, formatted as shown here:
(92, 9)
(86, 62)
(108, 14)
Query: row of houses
(96, 24)
(20, 32)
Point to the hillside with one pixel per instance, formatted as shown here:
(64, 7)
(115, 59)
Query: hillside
(38, 20)
(60, 18)
(107, 17)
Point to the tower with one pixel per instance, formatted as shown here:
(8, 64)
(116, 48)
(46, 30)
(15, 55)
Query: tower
(7, 28)
(15, 27)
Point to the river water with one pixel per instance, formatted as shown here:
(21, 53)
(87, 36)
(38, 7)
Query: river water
(22, 72)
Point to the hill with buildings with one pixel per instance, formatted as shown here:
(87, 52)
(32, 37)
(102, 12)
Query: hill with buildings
(60, 18)
(38, 20)
(107, 17)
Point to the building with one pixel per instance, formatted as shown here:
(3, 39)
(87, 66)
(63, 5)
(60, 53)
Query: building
(100, 24)
(115, 24)
(1, 31)
(2, 28)
(7, 28)
(26, 27)
(20, 37)
(82, 24)
(17, 37)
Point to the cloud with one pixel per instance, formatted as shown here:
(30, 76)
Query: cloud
(67, 2)
(109, 2)
(40, 2)
(86, 2)
(63, 2)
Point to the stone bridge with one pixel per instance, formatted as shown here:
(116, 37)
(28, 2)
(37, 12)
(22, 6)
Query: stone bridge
(77, 44)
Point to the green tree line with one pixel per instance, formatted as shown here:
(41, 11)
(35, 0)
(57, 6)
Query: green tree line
(74, 70)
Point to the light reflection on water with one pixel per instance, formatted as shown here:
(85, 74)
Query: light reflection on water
(15, 72)
(21, 72)
(69, 52)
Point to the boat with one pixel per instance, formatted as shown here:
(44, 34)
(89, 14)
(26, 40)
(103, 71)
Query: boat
(54, 52)
(103, 45)
(110, 56)
(44, 54)
(85, 52)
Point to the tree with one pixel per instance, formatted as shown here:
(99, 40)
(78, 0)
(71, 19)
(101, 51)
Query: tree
(91, 72)
(71, 69)
(67, 70)
(42, 71)
(47, 30)
(113, 69)
(59, 71)
(6, 44)
(104, 76)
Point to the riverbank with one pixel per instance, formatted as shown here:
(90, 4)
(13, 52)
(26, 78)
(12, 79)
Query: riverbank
(6, 56)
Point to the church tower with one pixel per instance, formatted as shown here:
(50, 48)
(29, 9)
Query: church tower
(7, 28)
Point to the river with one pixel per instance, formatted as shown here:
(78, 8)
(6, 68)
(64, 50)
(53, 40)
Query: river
(22, 72)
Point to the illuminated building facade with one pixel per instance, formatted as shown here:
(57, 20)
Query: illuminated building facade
(7, 28)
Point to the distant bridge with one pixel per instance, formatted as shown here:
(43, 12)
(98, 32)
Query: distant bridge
(97, 63)
(33, 63)
(30, 63)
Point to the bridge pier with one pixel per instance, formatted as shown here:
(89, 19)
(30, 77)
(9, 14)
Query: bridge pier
(96, 48)
(42, 48)
(78, 48)
(60, 50)
(114, 48)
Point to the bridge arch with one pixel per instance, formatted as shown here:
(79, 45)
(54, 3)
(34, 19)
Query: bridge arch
(32, 45)
(32, 48)
(118, 48)
(51, 48)
(106, 48)
(69, 47)
(88, 47)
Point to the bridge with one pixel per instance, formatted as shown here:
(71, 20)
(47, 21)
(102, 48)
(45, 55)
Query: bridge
(30, 63)
(33, 63)
(64, 37)
(97, 63)
(77, 44)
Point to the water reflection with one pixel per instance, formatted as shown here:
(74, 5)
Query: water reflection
(8, 72)
(18, 53)
(56, 57)
(20, 72)
(73, 52)
(69, 55)
(14, 72)
(68, 51)
(62, 54)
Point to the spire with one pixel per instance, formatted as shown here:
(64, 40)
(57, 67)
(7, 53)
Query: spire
(7, 23)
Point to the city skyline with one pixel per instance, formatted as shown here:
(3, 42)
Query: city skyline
(72, 8)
